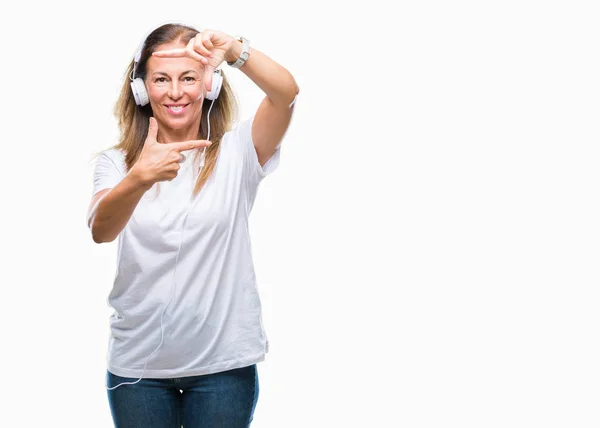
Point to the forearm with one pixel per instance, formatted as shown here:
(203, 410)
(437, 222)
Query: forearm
(274, 80)
(116, 207)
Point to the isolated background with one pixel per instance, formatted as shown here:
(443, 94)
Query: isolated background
(427, 252)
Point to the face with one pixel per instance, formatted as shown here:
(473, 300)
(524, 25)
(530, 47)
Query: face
(175, 89)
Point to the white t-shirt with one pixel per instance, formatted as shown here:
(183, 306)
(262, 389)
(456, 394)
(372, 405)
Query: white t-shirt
(213, 322)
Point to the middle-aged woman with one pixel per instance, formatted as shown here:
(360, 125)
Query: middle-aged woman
(176, 191)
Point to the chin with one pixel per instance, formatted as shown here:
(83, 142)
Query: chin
(177, 123)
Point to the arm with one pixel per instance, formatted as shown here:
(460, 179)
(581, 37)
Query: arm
(274, 113)
(273, 116)
(111, 209)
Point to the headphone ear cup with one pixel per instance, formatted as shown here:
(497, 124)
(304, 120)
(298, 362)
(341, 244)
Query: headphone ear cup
(139, 92)
(217, 82)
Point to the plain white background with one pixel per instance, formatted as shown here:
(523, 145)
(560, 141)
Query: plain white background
(427, 252)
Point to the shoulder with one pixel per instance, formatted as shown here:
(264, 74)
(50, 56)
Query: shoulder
(241, 130)
(238, 138)
(113, 156)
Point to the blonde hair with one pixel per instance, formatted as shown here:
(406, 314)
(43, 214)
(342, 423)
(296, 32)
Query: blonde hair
(133, 120)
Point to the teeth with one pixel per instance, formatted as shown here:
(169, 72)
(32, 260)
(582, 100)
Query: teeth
(176, 108)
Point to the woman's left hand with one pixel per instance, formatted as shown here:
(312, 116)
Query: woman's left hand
(207, 47)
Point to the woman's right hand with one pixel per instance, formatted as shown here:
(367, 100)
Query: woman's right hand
(161, 161)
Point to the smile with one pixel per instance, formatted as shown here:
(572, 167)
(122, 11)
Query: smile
(176, 108)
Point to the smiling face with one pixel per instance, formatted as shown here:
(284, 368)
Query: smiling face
(176, 91)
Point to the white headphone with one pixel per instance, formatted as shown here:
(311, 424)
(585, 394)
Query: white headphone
(137, 84)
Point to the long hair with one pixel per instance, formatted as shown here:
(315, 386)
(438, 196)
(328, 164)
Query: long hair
(133, 120)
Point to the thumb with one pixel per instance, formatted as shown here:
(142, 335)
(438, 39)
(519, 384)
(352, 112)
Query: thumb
(208, 75)
(152, 132)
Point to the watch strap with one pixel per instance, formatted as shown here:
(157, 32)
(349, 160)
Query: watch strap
(244, 55)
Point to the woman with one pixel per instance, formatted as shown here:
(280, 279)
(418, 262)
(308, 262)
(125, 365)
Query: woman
(177, 191)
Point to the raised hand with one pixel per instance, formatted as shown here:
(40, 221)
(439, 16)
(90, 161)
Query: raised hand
(161, 161)
(208, 47)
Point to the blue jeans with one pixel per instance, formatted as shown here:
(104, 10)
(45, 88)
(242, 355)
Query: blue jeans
(220, 400)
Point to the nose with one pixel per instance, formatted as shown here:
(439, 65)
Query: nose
(175, 90)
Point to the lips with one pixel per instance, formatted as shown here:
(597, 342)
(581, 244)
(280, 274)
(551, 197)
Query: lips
(176, 109)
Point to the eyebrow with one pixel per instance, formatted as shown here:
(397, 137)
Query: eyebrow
(162, 73)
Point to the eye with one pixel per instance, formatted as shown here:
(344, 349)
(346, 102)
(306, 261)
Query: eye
(160, 80)
(189, 79)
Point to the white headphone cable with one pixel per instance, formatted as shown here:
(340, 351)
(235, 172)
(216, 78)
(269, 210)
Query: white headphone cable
(192, 200)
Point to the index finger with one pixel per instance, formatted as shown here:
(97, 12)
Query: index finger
(170, 53)
(181, 53)
(189, 145)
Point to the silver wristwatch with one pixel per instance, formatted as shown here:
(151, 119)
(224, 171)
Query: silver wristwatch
(244, 55)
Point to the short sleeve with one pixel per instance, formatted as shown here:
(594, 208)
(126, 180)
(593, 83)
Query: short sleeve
(243, 133)
(109, 170)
